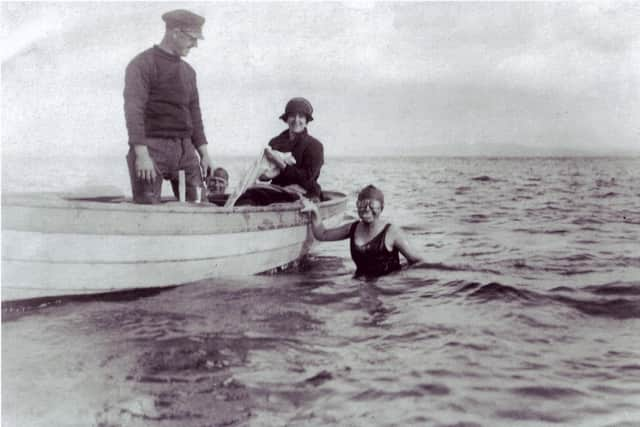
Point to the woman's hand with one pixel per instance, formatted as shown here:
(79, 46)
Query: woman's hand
(288, 159)
(274, 158)
(311, 208)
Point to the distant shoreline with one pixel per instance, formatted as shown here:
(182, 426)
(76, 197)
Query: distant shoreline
(67, 156)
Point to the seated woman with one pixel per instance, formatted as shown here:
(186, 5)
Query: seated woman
(306, 150)
(374, 243)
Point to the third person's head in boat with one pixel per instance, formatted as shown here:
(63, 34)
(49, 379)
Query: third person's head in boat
(218, 181)
(370, 204)
(297, 114)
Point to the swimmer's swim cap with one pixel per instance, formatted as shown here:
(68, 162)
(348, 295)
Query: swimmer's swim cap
(371, 192)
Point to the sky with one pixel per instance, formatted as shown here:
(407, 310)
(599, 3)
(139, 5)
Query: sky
(384, 78)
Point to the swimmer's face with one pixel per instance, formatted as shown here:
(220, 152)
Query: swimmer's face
(368, 209)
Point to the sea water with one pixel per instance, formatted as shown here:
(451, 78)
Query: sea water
(527, 313)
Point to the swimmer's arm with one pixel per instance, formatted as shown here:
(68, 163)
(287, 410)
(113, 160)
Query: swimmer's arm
(327, 235)
(318, 229)
(401, 242)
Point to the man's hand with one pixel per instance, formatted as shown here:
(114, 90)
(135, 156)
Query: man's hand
(206, 167)
(145, 169)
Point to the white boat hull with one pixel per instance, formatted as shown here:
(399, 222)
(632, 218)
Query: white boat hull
(52, 246)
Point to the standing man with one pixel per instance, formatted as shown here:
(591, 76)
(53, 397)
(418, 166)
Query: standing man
(162, 111)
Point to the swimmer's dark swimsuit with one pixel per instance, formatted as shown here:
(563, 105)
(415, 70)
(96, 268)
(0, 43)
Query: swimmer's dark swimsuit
(373, 258)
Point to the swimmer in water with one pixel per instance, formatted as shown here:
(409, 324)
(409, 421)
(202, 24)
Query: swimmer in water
(375, 244)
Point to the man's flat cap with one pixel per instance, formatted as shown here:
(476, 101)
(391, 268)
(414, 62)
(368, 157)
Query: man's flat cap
(186, 21)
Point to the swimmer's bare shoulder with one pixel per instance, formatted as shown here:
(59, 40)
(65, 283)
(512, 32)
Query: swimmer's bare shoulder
(401, 242)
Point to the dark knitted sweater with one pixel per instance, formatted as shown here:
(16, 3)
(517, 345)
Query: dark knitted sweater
(161, 98)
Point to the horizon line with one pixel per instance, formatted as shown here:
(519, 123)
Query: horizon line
(397, 156)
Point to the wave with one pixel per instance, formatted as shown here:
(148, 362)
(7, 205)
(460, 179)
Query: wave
(571, 265)
(605, 195)
(476, 218)
(490, 291)
(597, 303)
(14, 310)
(537, 416)
(462, 190)
(535, 231)
(327, 299)
(413, 229)
(562, 289)
(547, 392)
(615, 288)
(619, 308)
(587, 221)
(577, 257)
(468, 346)
(428, 389)
(497, 291)
(601, 388)
(291, 321)
(623, 305)
(319, 378)
(480, 253)
(485, 178)
(446, 267)
(572, 272)
(606, 182)
(587, 241)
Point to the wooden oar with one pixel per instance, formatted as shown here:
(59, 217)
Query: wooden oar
(249, 179)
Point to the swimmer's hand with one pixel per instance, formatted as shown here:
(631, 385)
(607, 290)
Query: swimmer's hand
(311, 208)
(307, 205)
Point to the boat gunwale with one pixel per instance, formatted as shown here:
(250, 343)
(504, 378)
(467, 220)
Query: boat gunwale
(58, 201)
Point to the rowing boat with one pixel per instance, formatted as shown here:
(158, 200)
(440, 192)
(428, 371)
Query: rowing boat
(53, 244)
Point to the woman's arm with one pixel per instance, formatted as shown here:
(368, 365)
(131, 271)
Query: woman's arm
(319, 231)
(276, 159)
(401, 242)
(306, 173)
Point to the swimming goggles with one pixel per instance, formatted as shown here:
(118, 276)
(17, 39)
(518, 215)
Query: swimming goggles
(372, 204)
